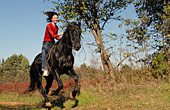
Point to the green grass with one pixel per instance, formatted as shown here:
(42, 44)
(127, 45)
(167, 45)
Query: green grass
(150, 96)
(14, 97)
(17, 101)
(85, 99)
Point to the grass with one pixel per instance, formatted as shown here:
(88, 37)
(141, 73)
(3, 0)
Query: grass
(150, 96)
(85, 99)
(14, 97)
(17, 101)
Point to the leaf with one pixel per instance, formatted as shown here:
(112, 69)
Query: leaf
(128, 54)
(62, 21)
(120, 25)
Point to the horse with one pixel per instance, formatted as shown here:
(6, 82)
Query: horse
(60, 61)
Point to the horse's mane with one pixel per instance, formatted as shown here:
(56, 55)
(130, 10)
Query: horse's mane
(70, 25)
(65, 39)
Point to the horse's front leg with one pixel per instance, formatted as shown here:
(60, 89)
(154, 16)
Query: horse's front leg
(60, 84)
(49, 81)
(40, 89)
(75, 76)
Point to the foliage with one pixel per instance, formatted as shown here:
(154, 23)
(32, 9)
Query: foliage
(153, 8)
(155, 15)
(150, 32)
(126, 68)
(138, 31)
(92, 12)
(88, 72)
(159, 65)
(16, 67)
(1, 63)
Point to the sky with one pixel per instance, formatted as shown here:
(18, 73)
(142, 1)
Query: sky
(22, 28)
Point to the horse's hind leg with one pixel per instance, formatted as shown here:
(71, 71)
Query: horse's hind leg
(40, 88)
(75, 76)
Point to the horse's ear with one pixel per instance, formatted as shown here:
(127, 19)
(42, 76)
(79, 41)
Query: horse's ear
(68, 23)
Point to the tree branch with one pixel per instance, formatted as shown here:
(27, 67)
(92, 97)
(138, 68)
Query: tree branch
(127, 57)
(107, 18)
(99, 3)
(92, 44)
(83, 14)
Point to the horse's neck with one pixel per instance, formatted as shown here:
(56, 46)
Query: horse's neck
(66, 42)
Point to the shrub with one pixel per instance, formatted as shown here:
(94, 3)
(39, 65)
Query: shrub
(159, 65)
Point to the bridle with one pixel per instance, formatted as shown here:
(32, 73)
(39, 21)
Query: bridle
(69, 45)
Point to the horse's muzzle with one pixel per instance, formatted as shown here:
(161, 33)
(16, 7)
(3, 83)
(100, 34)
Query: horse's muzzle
(77, 47)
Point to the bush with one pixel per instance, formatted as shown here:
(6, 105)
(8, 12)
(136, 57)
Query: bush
(88, 72)
(159, 65)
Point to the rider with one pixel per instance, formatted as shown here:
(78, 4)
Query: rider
(51, 32)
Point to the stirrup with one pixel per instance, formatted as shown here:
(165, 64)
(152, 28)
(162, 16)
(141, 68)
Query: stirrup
(45, 73)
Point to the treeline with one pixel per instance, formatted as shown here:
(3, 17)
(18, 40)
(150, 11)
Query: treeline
(16, 69)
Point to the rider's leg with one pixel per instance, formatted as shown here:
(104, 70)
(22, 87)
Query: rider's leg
(45, 48)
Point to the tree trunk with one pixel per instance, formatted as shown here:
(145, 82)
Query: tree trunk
(107, 65)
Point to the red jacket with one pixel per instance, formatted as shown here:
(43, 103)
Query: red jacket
(51, 32)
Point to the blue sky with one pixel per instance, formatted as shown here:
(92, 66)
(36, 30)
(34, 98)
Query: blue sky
(22, 27)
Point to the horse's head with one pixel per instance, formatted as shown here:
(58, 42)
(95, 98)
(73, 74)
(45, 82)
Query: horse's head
(75, 35)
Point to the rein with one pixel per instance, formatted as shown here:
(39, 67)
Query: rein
(67, 45)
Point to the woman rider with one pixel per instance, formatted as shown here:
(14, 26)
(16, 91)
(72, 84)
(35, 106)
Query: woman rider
(51, 33)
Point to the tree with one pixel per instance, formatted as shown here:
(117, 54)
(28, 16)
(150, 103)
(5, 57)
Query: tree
(94, 14)
(153, 8)
(15, 67)
(1, 63)
(158, 12)
(138, 33)
(0, 67)
(152, 30)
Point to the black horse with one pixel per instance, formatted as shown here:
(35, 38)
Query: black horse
(60, 61)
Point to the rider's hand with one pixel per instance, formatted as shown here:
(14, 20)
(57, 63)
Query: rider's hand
(60, 34)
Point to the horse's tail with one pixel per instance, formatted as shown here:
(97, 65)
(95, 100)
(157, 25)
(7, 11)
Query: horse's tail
(33, 80)
(34, 73)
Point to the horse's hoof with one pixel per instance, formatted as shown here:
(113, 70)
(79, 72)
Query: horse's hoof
(48, 104)
(71, 96)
